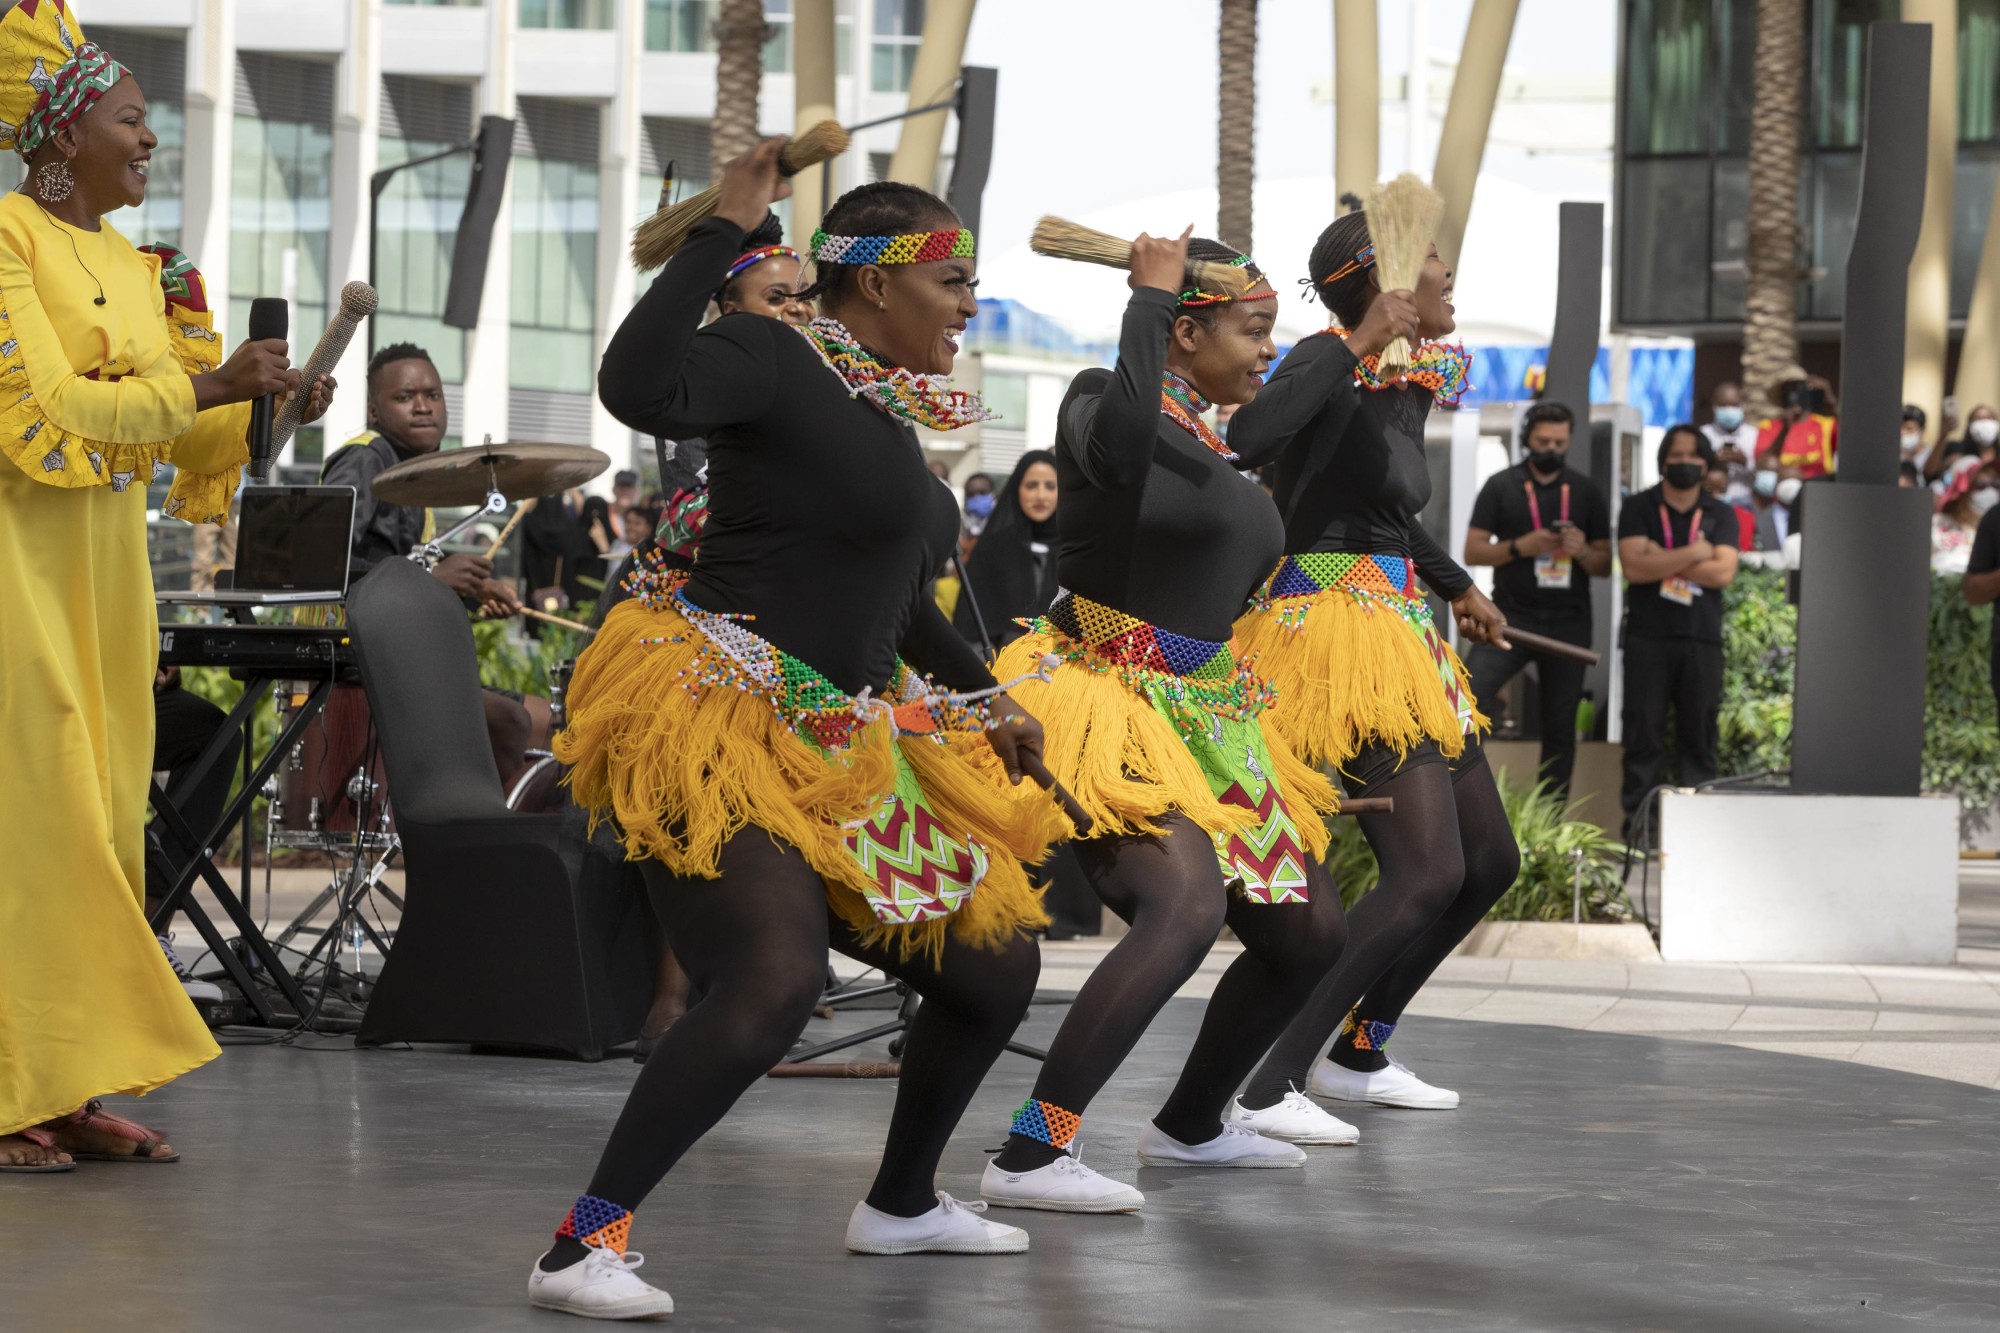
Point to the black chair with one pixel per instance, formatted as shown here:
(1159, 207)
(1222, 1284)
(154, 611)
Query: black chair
(515, 932)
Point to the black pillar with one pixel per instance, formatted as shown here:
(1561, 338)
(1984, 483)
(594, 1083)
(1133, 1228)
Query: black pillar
(1579, 303)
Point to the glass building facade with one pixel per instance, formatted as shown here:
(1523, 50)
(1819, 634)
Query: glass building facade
(418, 216)
(556, 199)
(1683, 159)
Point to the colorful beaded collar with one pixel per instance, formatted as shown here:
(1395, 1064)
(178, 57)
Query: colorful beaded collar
(921, 247)
(1183, 405)
(1442, 368)
(927, 400)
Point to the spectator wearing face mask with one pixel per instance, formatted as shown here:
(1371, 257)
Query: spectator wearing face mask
(979, 502)
(1982, 431)
(1545, 532)
(1774, 504)
(1970, 489)
(1717, 485)
(1677, 545)
(1803, 434)
(1733, 439)
(1915, 451)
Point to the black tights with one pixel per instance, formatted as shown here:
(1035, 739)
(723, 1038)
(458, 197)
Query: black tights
(754, 944)
(1169, 889)
(1447, 855)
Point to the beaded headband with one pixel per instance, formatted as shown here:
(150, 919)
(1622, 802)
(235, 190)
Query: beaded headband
(755, 257)
(1363, 258)
(1253, 278)
(916, 248)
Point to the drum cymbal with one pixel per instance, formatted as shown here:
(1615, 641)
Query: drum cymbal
(519, 470)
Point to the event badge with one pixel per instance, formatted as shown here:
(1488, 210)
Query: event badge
(1678, 589)
(1553, 570)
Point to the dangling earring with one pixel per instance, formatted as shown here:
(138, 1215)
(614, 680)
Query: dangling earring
(55, 181)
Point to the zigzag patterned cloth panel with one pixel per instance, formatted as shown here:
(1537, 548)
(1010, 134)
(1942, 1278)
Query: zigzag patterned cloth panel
(1268, 861)
(1388, 581)
(918, 870)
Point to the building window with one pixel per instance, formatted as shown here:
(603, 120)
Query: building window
(680, 25)
(417, 219)
(465, 4)
(555, 246)
(1668, 79)
(899, 29)
(1837, 80)
(566, 13)
(159, 63)
(1979, 70)
(282, 168)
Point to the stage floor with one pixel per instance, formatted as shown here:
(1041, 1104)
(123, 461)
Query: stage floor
(1591, 1181)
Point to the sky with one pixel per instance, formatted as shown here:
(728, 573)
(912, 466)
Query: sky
(1104, 103)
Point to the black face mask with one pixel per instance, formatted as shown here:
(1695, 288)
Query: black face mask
(1548, 463)
(1684, 476)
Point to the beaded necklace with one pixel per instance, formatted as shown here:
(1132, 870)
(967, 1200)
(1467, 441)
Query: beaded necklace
(1442, 368)
(1184, 405)
(928, 400)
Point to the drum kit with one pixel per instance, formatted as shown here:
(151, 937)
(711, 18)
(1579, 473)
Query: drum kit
(332, 796)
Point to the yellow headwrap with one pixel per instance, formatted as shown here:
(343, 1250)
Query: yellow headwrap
(49, 75)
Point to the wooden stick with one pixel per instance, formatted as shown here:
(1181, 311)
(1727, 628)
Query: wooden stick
(1542, 643)
(545, 617)
(1034, 768)
(520, 512)
(1367, 805)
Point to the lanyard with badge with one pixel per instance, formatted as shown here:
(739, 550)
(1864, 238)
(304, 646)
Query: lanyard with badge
(1553, 568)
(1675, 588)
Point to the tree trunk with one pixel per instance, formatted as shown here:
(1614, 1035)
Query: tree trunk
(1770, 296)
(1236, 164)
(740, 32)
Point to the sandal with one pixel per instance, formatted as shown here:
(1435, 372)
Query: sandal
(94, 1116)
(42, 1138)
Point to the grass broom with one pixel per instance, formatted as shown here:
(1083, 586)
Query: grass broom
(1059, 238)
(660, 237)
(1403, 217)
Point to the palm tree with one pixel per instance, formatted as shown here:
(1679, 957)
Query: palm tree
(1236, 166)
(740, 32)
(1770, 294)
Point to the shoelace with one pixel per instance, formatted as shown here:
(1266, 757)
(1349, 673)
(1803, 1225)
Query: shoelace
(604, 1259)
(1298, 1101)
(174, 959)
(950, 1204)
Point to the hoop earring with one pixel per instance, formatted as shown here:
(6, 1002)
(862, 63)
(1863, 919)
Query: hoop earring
(55, 181)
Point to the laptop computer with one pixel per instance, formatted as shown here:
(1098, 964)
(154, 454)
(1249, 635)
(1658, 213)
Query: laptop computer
(291, 548)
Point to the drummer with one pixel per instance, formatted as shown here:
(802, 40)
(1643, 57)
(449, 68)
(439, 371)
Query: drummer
(407, 419)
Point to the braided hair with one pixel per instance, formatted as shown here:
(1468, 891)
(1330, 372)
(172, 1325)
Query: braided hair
(1344, 238)
(1203, 250)
(879, 208)
(768, 232)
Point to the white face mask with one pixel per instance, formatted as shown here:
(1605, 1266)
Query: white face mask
(1984, 431)
(1788, 490)
(1912, 441)
(1984, 499)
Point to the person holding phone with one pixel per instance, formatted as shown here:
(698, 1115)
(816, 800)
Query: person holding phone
(1803, 434)
(1545, 531)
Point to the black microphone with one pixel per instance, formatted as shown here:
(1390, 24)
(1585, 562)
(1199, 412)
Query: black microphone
(269, 318)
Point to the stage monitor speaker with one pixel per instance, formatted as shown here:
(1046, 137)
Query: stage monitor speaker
(492, 151)
(972, 159)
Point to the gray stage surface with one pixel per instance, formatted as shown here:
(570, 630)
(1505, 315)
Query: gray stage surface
(1590, 1182)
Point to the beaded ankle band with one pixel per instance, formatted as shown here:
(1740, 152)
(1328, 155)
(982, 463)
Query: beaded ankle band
(915, 248)
(1365, 1034)
(1045, 1122)
(597, 1222)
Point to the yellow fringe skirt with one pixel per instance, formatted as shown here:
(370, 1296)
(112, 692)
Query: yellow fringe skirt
(1140, 723)
(686, 729)
(1350, 645)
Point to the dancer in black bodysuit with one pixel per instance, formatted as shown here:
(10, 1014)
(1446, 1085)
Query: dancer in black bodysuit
(1365, 682)
(740, 727)
(1153, 723)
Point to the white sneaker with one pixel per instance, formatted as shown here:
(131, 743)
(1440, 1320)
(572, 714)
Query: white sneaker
(1296, 1119)
(1065, 1185)
(1391, 1086)
(1234, 1146)
(603, 1286)
(201, 992)
(950, 1228)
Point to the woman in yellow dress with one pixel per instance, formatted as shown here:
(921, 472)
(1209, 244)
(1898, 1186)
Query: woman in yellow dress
(101, 379)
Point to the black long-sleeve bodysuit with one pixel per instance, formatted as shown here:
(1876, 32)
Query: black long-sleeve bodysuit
(1153, 521)
(1351, 474)
(823, 522)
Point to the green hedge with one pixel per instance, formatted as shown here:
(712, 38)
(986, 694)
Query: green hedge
(1760, 646)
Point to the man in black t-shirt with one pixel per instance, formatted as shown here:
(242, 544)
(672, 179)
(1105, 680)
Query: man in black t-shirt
(1981, 583)
(1678, 547)
(1546, 531)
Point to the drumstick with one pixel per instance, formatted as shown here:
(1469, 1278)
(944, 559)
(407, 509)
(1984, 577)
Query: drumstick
(1032, 765)
(1367, 805)
(1541, 643)
(556, 620)
(520, 512)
